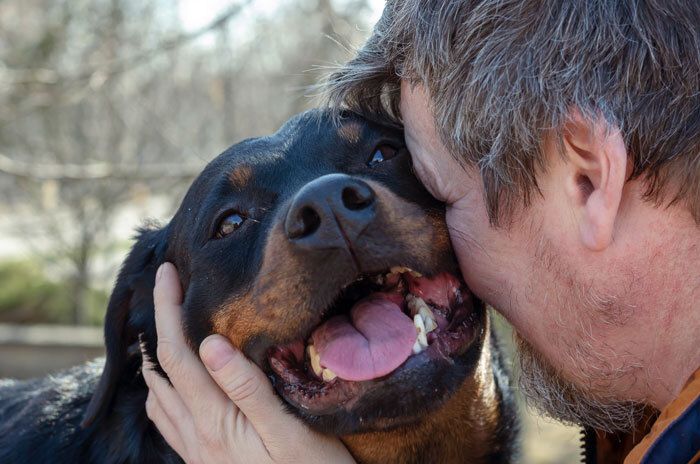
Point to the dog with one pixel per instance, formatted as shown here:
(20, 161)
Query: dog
(318, 253)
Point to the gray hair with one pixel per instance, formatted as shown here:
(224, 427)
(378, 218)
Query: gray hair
(502, 74)
(545, 390)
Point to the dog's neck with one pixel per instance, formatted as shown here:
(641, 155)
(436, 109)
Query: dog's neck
(468, 424)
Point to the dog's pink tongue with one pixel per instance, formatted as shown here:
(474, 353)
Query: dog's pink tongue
(376, 339)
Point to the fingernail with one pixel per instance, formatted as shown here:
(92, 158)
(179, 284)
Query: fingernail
(215, 352)
(159, 272)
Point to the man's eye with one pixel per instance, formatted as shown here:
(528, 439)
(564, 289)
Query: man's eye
(382, 153)
(230, 224)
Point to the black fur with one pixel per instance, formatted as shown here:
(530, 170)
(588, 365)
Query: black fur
(95, 413)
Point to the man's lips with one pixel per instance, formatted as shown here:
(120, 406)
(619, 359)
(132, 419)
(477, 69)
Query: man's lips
(410, 320)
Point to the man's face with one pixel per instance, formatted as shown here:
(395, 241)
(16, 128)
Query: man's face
(579, 314)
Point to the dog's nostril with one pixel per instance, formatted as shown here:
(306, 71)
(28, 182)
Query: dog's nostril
(357, 197)
(307, 222)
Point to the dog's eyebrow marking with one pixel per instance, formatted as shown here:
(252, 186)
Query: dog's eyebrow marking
(240, 176)
(351, 131)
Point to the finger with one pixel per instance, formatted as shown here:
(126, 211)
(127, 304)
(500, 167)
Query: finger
(167, 298)
(195, 388)
(244, 383)
(167, 411)
(156, 413)
(176, 410)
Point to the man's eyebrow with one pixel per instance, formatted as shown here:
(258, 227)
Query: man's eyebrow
(240, 176)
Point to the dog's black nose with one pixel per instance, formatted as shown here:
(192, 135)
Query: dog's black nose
(330, 212)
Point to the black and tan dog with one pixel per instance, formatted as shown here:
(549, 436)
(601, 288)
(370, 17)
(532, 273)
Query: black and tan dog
(317, 252)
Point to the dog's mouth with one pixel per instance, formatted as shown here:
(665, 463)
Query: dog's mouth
(379, 327)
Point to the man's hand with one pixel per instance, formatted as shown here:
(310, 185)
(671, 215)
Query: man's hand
(224, 411)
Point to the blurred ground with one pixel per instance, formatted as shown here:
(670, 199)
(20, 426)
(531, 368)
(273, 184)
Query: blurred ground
(546, 441)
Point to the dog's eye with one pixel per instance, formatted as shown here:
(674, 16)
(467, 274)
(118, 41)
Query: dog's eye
(230, 224)
(382, 153)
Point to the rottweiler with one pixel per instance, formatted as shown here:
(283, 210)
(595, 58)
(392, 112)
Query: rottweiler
(318, 253)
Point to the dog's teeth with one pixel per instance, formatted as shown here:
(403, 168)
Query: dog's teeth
(315, 360)
(422, 337)
(402, 270)
(417, 347)
(398, 270)
(423, 340)
(428, 319)
(416, 305)
(379, 280)
(328, 375)
(418, 322)
(412, 303)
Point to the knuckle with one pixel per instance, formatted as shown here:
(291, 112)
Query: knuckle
(242, 388)
(211, 431)
(179, 416)
(169, 356)
(151, 407)
(207, 438)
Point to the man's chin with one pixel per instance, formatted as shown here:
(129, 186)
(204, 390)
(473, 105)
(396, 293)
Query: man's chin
(560, 399)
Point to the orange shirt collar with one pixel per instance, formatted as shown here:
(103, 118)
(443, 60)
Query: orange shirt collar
(690, 392)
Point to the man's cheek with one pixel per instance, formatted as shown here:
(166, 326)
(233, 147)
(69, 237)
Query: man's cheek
(462, 235)
(428, 181)
(472, 245)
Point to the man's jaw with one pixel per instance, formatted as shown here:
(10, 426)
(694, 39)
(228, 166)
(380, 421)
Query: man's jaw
(545, 390)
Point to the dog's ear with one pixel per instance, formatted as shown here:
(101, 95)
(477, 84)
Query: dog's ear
(129, 312)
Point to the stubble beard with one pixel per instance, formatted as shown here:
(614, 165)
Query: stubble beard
(552, 395)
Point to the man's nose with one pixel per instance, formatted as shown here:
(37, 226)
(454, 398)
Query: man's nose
(330, 212)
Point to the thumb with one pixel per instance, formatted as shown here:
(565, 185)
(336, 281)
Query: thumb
(244, 383)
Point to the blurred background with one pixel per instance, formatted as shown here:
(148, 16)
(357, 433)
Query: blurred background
(108, 109)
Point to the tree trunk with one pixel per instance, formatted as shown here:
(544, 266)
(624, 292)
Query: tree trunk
(83, 256)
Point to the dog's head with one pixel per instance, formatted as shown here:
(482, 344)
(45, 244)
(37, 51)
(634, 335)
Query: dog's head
(319, 254)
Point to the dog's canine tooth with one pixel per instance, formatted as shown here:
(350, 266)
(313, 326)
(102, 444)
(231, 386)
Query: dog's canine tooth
(428, 319)
(420, 328)
(315, 360)
(418, 322)
(416, 305)
(328, 375)
(423, 340)
(417, 347)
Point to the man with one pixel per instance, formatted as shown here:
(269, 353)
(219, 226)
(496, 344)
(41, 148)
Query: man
(565, 139)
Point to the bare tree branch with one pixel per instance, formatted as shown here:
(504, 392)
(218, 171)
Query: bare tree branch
(95, 171)
(118, 66)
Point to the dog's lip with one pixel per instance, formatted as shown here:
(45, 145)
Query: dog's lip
(321, 398)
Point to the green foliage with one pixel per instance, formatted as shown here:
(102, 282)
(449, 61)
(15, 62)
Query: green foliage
(28, 296)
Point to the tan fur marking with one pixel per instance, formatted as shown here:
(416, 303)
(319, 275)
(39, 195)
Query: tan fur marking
(351, 131)
(240, 176)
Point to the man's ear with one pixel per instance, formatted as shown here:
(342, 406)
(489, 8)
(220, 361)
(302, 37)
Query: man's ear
(596, 171)
(129, 310)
